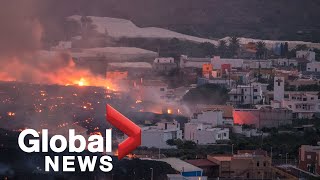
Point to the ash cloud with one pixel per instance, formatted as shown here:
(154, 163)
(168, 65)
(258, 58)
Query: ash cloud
(21, 35)
(20, 30)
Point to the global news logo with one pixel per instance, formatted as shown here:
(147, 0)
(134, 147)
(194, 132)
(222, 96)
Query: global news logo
(74, 143)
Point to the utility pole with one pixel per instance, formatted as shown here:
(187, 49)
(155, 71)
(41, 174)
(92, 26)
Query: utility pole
(232, 149)
(151, 173)
(271, 155)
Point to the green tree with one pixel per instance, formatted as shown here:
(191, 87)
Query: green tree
(261, 49)
(207, 94)
(286, 49)
(208, 49)
(301, 47)
(222, 48)
(234, 46)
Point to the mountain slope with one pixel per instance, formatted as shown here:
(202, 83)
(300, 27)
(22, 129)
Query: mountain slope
(263, 19)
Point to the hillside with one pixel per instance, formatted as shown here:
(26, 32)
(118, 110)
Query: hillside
(122, 28)
(263, 19)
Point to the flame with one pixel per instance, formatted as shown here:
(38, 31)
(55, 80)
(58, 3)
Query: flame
(169, 111)
(82, 82)
(11, 114)
(65, 75)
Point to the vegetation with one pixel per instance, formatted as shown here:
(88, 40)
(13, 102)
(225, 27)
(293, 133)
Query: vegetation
(234, 46)
(261, 50)
(222, 48)
(182, 144)
(207, 94)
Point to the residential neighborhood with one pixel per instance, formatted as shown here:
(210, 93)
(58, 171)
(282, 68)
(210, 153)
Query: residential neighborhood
(160, 90)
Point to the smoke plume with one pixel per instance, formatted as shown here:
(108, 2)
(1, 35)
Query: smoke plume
(21, 35)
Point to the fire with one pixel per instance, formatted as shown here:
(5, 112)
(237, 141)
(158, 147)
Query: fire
(11, 114)
(169, 111)
(58, 72)
(138, 101)
(82, 82)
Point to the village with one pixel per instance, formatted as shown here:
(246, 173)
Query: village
(252, 94)
(210, 104)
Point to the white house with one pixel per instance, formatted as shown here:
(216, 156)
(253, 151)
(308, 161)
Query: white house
(164, 64)
(256, 64)
(247, 94)
(217, 62)
(157, 136)
(284, 62)
(164, 60)
(189, 62)
(63, 45)
(313, 67)
(309, 55)
(152, 91)
(203, 134)
(212, 117)
(304, 105)
(228, 83)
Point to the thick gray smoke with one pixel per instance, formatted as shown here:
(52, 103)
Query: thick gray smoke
(20, 41)
(20, 30)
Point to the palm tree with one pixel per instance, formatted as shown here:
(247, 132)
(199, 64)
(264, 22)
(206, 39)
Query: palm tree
(208, 49)
(261, 49)
(222, 48)
(234, 45)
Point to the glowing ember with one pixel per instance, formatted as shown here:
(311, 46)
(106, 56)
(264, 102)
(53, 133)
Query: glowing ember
(138, 101)
(82, 82)
(11, 114)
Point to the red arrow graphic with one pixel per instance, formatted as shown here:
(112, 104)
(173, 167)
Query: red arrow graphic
(128, 127)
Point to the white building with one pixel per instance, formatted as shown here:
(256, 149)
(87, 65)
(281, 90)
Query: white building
(309, 55)
(203, 134)
(313, 67)
(212, 117)
(278, 92)
(285, 62)
(152, 91)
(164, 60)
(256, 64)
(157, 136)
(228, 83)
(164, 65)
(247, 94)
(63, 45)
(186, 170)
(189, 62)
(304, 105)
(217, 62)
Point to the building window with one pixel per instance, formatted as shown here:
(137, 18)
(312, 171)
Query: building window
(162, 89)
(308, 156)
(304, 99)
(235, 97)
(255, 90)
(255, 97)
(264, 164)
(258, 164)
